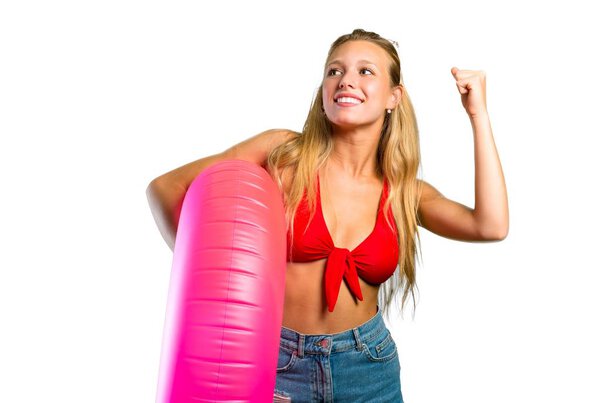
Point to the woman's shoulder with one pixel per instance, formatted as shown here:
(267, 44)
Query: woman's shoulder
(258, 147)
(264, 143)
(279, 136)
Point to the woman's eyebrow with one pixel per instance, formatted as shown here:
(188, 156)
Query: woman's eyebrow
(362, 61)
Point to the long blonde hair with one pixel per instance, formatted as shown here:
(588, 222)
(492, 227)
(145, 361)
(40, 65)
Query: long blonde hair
(398, 160)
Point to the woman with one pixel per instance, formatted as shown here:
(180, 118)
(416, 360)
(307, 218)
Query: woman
(353, 208)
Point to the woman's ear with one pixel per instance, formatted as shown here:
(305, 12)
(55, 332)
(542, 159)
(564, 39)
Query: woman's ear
(395, 98)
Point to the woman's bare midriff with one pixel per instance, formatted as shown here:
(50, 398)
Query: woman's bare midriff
(305, 309)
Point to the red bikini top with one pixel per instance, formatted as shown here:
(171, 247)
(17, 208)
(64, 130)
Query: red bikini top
(375, 259)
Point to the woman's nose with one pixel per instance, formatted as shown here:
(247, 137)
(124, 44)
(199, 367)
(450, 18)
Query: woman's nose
(347, 80)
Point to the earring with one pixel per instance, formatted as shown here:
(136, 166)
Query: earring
(389, 111)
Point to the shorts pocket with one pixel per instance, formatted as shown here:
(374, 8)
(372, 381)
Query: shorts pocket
(382, 348)
(286, 359)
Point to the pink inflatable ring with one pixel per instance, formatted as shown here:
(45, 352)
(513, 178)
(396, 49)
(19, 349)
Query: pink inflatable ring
(225, 303)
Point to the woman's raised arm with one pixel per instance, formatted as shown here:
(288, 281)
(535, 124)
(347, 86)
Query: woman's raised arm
(166, 192)
(488, 221)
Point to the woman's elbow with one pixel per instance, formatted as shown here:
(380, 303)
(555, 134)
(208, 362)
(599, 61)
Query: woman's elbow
(494, 233)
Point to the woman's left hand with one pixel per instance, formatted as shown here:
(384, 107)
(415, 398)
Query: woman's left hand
(471, 85)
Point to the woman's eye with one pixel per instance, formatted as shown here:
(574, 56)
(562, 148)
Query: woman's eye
(333, 72)
(365, 71)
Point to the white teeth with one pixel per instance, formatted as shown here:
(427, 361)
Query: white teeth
(348, 100)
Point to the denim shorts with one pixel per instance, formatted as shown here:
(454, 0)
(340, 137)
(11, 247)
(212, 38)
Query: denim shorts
(357, 365)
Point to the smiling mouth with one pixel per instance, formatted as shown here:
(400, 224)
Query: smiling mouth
(348, 100)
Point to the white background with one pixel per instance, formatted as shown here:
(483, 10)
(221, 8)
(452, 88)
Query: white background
(98, 98)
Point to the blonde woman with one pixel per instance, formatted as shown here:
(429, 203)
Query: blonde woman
(353, 203)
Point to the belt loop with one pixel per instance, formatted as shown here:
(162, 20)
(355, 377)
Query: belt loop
(301, 346)
(357, 337)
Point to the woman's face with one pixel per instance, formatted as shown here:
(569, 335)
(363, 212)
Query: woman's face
(356, 86)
